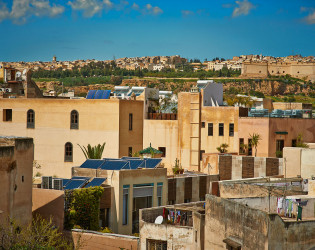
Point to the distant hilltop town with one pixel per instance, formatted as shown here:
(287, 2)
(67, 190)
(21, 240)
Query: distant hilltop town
(249, 65)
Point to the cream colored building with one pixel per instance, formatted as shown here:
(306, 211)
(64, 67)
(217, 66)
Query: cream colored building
(58, 126)
(132, 190)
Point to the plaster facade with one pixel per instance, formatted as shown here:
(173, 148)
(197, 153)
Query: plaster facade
(99, 121)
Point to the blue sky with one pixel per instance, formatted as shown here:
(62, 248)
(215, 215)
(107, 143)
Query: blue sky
(101, 29)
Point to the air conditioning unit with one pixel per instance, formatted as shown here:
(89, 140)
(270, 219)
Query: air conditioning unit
(57, 184)
(8, 90)
(46, 182)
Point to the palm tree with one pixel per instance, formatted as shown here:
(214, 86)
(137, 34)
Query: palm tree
(93, 152)
(255, 138)
(223, 148)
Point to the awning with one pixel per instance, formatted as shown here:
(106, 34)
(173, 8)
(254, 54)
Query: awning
(281, 132)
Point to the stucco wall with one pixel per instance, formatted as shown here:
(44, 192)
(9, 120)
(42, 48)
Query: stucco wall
(98, 123)
(226, 219)
(16, 170)
(48, 204)
(162, 133)
(95, 240)
(267, 128)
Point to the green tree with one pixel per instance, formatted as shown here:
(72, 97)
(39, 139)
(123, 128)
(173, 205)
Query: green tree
(223, 148)
(300, 143)
(39, 234)
(255, 138)
(95, 152)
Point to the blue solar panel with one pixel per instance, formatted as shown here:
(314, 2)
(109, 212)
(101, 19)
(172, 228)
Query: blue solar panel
(96, 182)
(113, 165)
(106, 94)
(65, 182)
(80, 178)
(98, 94)
(73, 184)
(91, 94)
(134, 164)
(93, 164)
(152, 163)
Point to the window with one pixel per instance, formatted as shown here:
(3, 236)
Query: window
(22, 178)
(130, 151)
(156, 244)
(201, 152)
(294, 143)
(250, 148)
(221, 129)
(68, 152)
(163, 150)
(203, 124)
(231, 129)
(130, 121)
(242, 149)
(74, 123)
(159, 193)
(279, 147)
(7, 115)
(30, 119)
(210, 129)
(125, 205)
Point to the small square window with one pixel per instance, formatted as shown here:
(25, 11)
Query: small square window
(163, 150)
(7, 115)
(203, 124)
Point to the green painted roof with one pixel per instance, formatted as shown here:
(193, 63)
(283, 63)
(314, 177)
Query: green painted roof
(149, 150)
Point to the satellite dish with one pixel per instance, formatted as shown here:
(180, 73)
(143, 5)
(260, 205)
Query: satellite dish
(159, 220)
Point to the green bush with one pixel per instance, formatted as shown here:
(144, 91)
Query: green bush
(83, 208)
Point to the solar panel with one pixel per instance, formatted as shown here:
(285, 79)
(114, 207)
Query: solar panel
(98, 94)
(65, 182)
(113, 165)
(91, 94)
(96, 182)
(106, 94)
(93, 164)
(134, 164)
(152, 163)
(73, 184)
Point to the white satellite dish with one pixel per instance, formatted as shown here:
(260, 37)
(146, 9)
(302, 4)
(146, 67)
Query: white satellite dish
(159, 220)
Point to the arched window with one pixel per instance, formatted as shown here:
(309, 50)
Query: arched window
(68, 152)
(74, 120)
(30, 123)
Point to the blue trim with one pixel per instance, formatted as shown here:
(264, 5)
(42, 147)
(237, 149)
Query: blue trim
(160, 184)
(144, 185)
(126, 186)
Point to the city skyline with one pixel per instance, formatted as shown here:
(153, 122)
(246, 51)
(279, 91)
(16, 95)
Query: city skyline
(38, 29)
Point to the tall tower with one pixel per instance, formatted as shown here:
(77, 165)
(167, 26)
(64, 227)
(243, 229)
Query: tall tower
(54, 59)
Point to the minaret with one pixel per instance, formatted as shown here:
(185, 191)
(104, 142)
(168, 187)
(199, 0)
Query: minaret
(54, 59)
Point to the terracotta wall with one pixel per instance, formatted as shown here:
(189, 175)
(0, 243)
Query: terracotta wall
(49, 203)
(95, 240)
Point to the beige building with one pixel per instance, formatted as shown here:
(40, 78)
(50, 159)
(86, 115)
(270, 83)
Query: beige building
(16, 172)
(299, 162)
(133, 189)
(59, 125)
(263, 69)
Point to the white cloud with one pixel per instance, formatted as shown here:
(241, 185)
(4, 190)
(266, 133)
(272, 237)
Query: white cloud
(21, 10)
(135, 6)
(310, 19)
(187, 13)
(89, 7)
(148, 9)
(243, 8)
